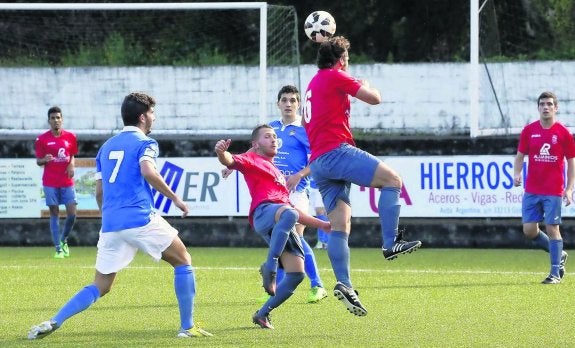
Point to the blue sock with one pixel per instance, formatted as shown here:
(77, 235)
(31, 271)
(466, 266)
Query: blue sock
(280, 275)
(555, 250)
(185, 286)
(79, 302)
(284, 290)
(541, 241)
(338, 252)
(279, 237)
(389, 207)
(68, 225)
(321, 234)
(55, 230)
(310, 264)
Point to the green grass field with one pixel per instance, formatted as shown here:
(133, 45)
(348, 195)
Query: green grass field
(431, 298)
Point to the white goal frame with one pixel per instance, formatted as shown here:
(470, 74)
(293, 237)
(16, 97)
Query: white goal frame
(261, 6)
(474, 77)
(474, 82)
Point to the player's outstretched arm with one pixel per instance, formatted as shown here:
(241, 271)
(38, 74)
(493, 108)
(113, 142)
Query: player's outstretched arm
(226, 171)
(224, 156)
(308, 220)
(368, 94)
(155, 180)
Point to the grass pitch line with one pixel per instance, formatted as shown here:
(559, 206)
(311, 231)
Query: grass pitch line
(243, 269)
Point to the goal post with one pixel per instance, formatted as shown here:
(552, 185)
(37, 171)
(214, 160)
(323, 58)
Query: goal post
(514, 47)
(474, 68)
(264, 30)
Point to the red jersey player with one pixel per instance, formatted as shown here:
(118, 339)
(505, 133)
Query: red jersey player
(55, 150)
(547, 143)
(336, 163)
(272, 216)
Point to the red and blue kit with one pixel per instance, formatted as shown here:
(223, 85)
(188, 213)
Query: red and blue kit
(327, 110)
(265, 182)
(547, 150)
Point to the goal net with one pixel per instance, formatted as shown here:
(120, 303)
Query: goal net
(201, 61)
(512, 69)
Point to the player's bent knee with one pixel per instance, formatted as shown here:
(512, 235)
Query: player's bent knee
(289, 215)
(386, 177)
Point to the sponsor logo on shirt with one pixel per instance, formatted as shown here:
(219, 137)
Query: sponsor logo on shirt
(545, 155)
(62, 156)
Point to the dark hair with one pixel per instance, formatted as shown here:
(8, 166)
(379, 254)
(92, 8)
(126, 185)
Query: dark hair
(331, 50)
(288, 89)
(256, 131)
(134, 105)
(546, 95)
(53, 110)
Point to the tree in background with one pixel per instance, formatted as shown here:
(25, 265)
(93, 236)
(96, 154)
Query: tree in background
(380, 31)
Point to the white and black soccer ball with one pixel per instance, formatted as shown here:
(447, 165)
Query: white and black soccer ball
(319, 26)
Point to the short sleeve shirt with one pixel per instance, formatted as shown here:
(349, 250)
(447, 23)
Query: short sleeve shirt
(127, 197)
(265, 182)
(547, 150)
(62, 148)
(327, 110)
(293, 150)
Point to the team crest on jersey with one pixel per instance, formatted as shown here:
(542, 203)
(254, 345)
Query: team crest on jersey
(280, 143)
(291, 133)
(554, 139)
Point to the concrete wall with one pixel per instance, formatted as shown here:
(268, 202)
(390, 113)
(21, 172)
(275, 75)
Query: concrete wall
(434, 233)
(418, 98)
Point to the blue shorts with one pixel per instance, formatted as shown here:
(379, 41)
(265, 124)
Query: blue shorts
(60, 195)
(536, 207)
(336, 170)
(264, 221)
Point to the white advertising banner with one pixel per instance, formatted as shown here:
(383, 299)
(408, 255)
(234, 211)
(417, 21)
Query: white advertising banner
(434, 186)
(20, 186)
(449, 186)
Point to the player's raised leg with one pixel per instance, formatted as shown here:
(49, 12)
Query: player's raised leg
(389, 208)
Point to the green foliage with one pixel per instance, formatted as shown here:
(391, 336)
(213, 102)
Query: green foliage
(380, 31)
(432, 298)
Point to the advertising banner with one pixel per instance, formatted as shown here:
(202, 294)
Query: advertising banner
(433, 186)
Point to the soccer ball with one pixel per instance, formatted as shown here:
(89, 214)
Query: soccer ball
(319, 26)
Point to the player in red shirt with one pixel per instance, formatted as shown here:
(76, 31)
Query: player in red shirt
(547, 143)
(55, 150)
(272, 216)
(336, 163)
